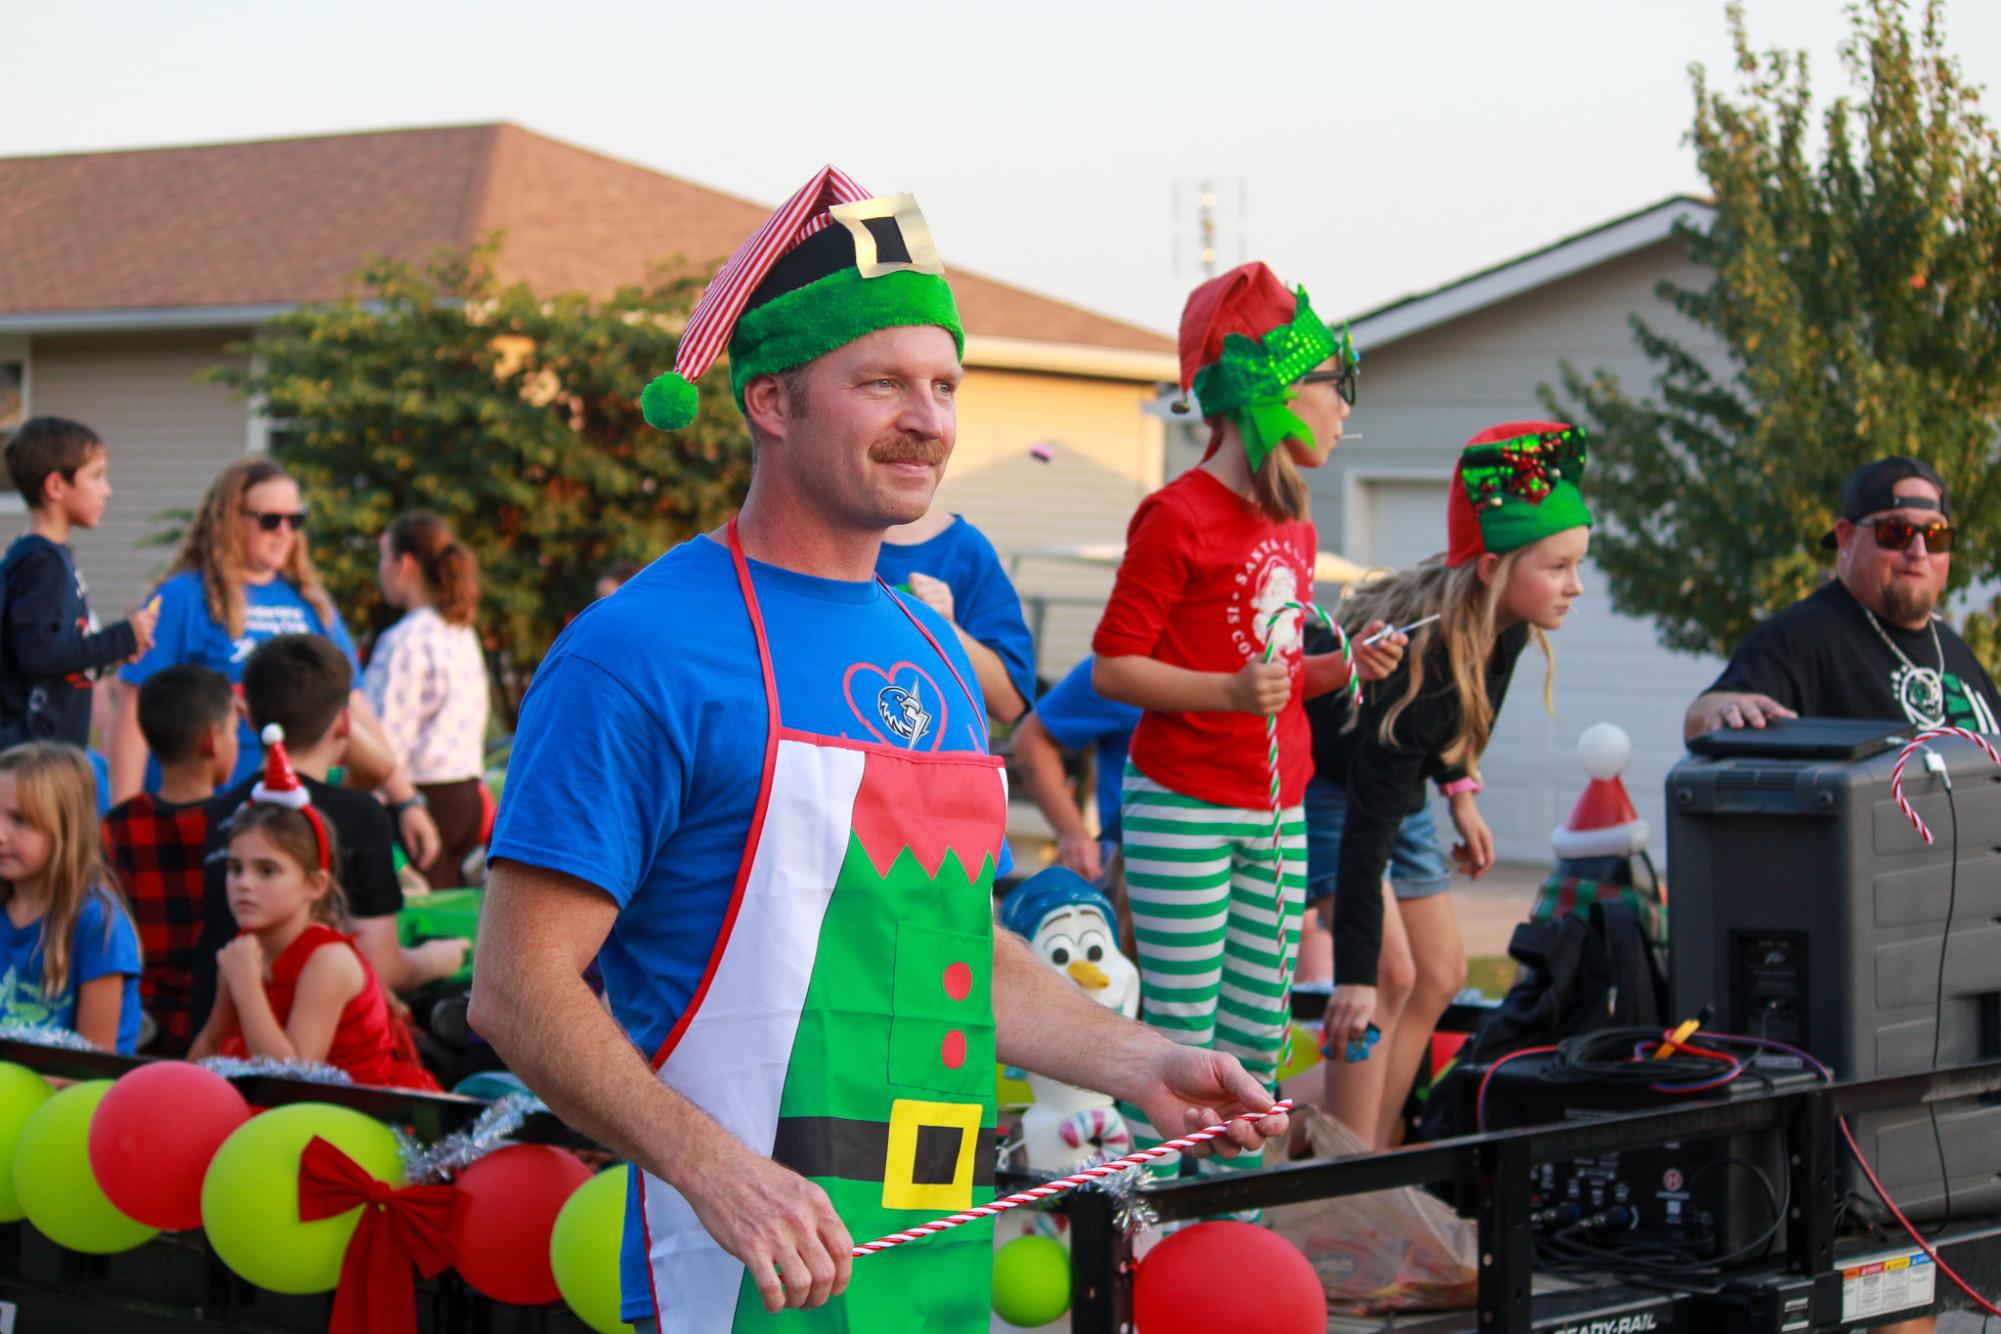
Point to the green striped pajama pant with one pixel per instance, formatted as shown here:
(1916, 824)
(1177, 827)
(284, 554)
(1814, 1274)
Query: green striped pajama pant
(1199, 879)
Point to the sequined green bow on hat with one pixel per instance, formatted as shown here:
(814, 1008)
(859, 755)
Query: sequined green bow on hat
(1251, 383)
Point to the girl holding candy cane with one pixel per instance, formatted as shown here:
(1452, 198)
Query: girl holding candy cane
(1518, 530)
(1203, 633)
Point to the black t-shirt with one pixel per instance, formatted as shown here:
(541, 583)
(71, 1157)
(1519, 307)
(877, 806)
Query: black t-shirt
(360, 826)
(1822, 658)
(1385, 783)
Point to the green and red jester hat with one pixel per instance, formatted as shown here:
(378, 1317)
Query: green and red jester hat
(1245, 340)
(1515, 483)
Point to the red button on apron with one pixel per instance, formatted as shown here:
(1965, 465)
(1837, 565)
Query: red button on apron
(953, 1052)
(958, 981)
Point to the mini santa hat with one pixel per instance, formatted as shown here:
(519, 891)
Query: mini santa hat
(280, 786)
(830, 266)
(1604, 823)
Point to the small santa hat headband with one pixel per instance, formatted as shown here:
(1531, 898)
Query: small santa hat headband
(280, 786)
(830, 266)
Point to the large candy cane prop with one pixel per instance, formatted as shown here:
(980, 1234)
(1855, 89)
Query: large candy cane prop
(1071, 1182)
(1354, 690)
(1903, 756)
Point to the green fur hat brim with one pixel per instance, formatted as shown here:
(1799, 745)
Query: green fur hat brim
(831, 312)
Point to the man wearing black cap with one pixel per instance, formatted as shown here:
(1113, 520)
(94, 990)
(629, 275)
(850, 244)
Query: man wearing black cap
(1868, 643)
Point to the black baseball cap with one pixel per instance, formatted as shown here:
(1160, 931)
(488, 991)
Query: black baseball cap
(1872, 488)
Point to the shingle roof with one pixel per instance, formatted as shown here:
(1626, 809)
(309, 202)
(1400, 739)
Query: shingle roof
(285, 220)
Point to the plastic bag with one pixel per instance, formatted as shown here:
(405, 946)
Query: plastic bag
(1392, 1250)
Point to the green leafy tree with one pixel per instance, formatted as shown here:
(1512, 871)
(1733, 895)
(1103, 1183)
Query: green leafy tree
(513, 416)
(1857, 291)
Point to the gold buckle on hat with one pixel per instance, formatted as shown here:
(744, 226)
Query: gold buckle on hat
(900, 1187)
(898, 216)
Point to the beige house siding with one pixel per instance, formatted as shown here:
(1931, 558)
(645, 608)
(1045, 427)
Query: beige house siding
(1106, 456)
(167, 433)
(1422, 396)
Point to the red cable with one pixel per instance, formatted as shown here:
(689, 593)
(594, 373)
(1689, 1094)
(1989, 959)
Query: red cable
(1480, 1095)
(1923, 1245)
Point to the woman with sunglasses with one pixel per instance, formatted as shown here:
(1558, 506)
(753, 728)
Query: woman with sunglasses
(242, 576)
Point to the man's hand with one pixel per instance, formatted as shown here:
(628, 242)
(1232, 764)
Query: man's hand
(933, 593)
(782, 1226)
(1190, 1088)
(1475, 850)
(1733, 709)
(420, 835)
(1378, 660)
(1260, 687)
(1079, 851)
(1350, 1011)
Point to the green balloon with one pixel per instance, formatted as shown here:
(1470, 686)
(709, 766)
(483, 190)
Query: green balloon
(1031, 1281)
(584, 1246)
(21, 1092)
(53, 1180)
(250, 1197)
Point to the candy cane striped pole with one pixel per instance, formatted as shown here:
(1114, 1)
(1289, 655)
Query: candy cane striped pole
(1354, 689)
(1071, 1182)
(1903, 756)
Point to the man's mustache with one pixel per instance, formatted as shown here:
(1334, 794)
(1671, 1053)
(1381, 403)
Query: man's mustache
(910, 449)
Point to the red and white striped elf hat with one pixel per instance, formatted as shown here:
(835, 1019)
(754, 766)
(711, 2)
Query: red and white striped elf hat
(780, 301)
(669, 402)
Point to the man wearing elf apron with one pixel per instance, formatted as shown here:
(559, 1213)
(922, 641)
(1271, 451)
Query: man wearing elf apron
(756, 785)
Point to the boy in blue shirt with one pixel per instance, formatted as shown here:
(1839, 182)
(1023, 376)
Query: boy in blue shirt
(50, 648)
(951, 567)
(1074, 717)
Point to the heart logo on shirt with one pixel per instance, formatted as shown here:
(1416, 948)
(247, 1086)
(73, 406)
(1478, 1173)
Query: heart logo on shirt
(899, 705)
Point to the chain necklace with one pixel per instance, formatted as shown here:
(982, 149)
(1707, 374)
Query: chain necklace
(1930, 682)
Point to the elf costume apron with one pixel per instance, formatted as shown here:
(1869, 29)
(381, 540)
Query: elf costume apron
(845, 1023)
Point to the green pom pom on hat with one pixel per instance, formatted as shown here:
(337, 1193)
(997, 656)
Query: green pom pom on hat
(670, 402)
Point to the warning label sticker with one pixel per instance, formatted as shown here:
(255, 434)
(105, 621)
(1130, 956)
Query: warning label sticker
(1876, 1284)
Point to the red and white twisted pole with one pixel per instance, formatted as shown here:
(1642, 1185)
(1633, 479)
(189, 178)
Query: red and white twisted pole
(1917, 743)
(1354, 689)
(1071, 1182)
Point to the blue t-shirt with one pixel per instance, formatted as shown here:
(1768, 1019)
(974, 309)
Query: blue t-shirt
(94, 953)
(984, 602)
(187, 633)
(1075, 715)
(640, 752)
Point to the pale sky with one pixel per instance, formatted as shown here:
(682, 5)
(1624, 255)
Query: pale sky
(1381, 148)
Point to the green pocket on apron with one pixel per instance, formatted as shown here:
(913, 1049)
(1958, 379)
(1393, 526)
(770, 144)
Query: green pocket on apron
(941, 1034)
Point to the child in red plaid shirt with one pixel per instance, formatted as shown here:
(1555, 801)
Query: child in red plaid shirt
(156, 843)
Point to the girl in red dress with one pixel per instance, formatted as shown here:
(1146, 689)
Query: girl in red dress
(291, 985)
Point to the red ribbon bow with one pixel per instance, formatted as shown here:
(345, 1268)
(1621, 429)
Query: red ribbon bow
(397, 1227)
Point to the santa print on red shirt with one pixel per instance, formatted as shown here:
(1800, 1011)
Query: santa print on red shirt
(1204, 571)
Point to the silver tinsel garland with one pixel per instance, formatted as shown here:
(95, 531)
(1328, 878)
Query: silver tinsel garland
(312, 1072)
(49, 1036)
(425, 1163)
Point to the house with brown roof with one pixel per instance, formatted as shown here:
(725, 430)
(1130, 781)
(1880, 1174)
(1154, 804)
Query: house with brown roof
(128, 273)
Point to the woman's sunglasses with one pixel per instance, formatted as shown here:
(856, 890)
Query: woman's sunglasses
(1897, 534)
(270, 522)
(1345, 380)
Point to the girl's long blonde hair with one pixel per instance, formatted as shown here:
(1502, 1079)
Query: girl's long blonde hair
(1277, 488)
(213, 546)
(57, 790)
(1467, 610)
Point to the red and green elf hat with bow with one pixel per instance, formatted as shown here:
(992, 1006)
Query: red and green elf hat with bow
(833, 264)
(1245, 341)
(1516, 483)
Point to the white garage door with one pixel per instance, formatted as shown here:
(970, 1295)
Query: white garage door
(1609, 669)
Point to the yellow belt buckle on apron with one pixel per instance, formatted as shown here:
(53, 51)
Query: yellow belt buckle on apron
(908, 1118)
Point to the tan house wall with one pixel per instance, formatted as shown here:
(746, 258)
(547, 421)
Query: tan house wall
(167, 433)
(1106, 456)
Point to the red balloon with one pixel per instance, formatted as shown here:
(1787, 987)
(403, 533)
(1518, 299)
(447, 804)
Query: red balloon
(1226, 1275)
(153, 1136)
(508, 1202)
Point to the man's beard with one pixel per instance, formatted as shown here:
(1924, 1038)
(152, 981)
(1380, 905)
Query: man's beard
(1909, 603)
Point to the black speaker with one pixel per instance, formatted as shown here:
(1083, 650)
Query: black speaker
(1805, 907)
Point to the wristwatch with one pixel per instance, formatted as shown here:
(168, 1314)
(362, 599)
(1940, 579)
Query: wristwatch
(1458, 785)
(414, 799)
